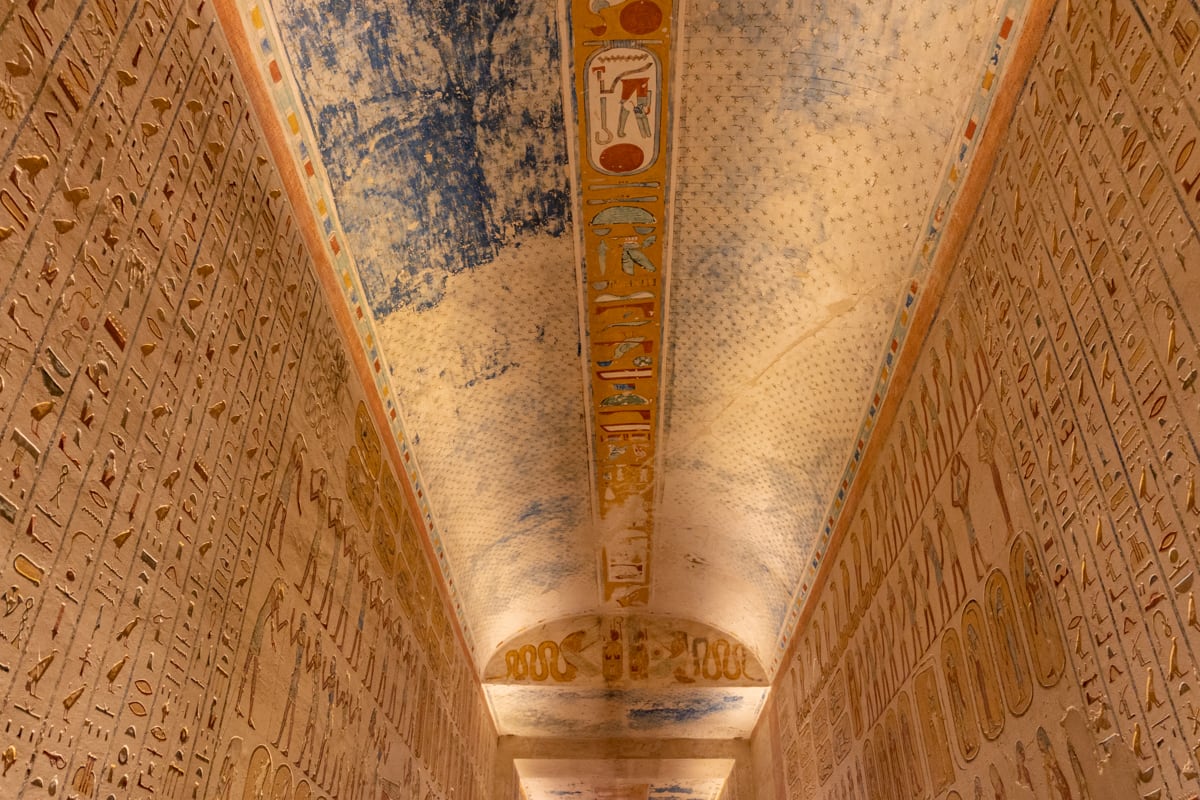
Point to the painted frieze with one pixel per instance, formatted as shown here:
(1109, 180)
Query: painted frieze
(625, 650)
(622, 57)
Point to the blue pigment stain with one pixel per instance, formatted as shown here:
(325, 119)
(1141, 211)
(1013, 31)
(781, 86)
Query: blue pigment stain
(548, 523)
(675, 789)
(692, 710)
(452, 144)
(532, 511)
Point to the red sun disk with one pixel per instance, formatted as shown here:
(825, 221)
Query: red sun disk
(622, 158)
(641, 17)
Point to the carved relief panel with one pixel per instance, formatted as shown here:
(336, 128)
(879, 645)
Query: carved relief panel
(198, 579)
(1026, 540)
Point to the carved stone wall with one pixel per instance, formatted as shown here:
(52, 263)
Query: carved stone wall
(212, 584)
(1012, 613)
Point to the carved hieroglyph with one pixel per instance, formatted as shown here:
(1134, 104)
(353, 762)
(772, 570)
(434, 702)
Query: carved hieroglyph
(625, 651)
(622, 67)
(1027, 539)
(212, 581)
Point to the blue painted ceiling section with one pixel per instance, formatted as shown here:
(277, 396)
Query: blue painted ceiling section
(441, 126)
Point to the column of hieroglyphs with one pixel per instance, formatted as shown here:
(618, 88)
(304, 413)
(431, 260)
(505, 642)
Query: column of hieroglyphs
(1012, 612)
(212, 584)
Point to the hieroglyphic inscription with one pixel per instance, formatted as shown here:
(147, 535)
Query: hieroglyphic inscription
(622, 59)
(191, 608)
(1027, 541)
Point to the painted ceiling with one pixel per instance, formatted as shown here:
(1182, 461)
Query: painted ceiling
(632, 273)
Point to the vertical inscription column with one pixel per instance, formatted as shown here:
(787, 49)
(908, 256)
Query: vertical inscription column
(622, 65)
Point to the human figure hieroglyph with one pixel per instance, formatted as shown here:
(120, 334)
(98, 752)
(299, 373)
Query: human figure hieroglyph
(867, 677)
(960, 710)
(897, 631)
(860, 590)
(921, 445)
(888, 527)
(854, 690)
(1038, 612)
(934, 565)
(299, 637)
(972, 344)
(847, 598)
(997, 782)
(335, 521)
(363, 573)
(875, 654)
(872, 782)
(980, 671)
(318, 483)
(911, 630)
(288, 484)
(960, 485)
(950, 552)
(920, 584)
(329, 686)
(875, 537)
(883, 490)
(1077, 768)
(1024, 778)
(933, 422)
(348, 550)
(943, 399)
(956, 375)
(933, 726)
(312, 666)
(383, 613)
(270, 611)
(898, 469)
(1010, 649)
(908, 739)
(986, 433)
(894, 759)
(1055, 779)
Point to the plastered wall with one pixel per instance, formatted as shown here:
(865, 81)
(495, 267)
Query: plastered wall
(211, 583)
(1012, 613)
(733, 788)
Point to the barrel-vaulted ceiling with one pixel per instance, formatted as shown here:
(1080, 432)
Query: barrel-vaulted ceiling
(636, 269)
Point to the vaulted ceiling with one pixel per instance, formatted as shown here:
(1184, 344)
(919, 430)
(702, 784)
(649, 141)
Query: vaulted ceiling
(634, 272)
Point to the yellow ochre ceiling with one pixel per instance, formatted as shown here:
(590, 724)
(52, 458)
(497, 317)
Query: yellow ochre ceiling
(632, 274)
